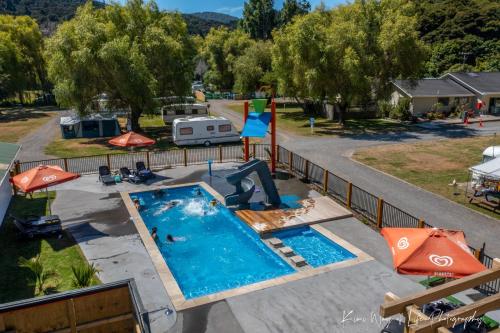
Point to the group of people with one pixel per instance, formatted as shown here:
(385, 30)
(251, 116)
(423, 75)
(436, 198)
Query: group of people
(154, 235)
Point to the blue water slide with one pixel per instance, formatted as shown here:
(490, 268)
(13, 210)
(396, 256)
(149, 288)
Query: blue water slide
(241, 181)
(256, 125)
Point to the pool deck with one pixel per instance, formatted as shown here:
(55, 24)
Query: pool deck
(313, 210)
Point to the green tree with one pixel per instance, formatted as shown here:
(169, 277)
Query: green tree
(221, 48)
(253, 69)
(259, 18)
(133, 53)
(22, 66)
(292, 8)
(349, 54)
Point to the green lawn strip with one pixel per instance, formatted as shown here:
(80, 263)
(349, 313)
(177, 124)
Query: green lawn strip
(432, 165)
(293, 119)
(152, 126)
(490, 323)
(58, 255)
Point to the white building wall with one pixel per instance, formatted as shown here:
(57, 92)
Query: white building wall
(5, 195)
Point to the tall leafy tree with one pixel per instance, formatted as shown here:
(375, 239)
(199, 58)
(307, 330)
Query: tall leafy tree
(253, 69)
(221, 48)
(292, 8)
(259, 18)
(133, 53)
(348, 54)
(22, 66)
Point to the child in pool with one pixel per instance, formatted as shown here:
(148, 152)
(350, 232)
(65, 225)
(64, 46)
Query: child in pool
(171, 239)
(137, 204)
(154, 233)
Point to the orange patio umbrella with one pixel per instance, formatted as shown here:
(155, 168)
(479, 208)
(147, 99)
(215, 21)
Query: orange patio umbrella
(431, 252)
(41, 177)
(131, 139)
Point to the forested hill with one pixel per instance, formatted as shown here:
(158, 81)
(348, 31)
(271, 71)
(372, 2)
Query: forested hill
(463, 34)
(49, 13)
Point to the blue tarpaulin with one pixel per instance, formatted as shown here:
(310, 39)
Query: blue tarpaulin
(256, 125)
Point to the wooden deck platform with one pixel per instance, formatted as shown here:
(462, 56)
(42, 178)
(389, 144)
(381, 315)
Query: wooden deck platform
(314, 210)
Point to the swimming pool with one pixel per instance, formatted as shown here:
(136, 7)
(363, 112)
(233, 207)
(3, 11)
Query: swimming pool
(315, 248)
(213, 249)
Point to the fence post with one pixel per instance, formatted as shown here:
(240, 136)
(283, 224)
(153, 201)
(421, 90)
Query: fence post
(290, 161)
(325, 181)
(185, 157)
(65, 164)
(349, 194)
(14, 188)
(17, 167)
(220, 153)
(109, 161)
(254, 150)
(380, 212)
(421, 223)
(306, 171)
(147, 159)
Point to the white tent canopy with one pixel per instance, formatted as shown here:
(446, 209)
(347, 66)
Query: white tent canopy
(490, 169)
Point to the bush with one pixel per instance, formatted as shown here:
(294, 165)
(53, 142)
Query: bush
(402, 110)
(384, 109)
(84, 275)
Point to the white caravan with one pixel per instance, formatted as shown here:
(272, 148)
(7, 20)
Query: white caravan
(182, 110)
(203, 131)
(491, 153)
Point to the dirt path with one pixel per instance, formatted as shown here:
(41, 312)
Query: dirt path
(33, 144)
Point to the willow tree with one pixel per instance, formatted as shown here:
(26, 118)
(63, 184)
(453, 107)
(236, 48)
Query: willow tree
(349, 54)
(133, 53)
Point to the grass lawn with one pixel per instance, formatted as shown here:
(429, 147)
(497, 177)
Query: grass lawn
(293, 119)
(57, 255)
(431, 165)
(15, 123)
(152, 126)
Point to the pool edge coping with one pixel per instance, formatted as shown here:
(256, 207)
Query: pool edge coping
(175, 293)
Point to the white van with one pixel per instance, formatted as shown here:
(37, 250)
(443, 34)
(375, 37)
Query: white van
(203, 131)
(182, 110)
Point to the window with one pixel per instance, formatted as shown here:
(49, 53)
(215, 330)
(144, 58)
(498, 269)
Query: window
(444, 101)
(186, 131)
(210, 128)
(225, 128)
(90, 126)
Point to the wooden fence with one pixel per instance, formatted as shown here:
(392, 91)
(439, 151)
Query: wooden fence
(112, 307)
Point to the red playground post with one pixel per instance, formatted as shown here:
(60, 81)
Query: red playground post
(273, 136)
(246, 139)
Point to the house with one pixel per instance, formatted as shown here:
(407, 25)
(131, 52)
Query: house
(485, 86)
(432, 95)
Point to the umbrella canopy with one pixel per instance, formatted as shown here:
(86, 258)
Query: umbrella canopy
(131, 139)
(431, 251)
(42, 176)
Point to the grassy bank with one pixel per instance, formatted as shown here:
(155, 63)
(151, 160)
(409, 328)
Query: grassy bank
(431, 165)
(16, 123)
(58, 255)
(294, 120)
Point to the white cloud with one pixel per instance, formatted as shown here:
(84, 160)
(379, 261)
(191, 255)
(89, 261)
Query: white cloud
(229, 10)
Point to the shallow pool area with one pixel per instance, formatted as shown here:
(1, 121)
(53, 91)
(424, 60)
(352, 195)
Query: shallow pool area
(315, 248)
(213, 250)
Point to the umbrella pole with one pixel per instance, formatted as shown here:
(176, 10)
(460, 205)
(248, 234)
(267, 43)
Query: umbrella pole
(48, 200)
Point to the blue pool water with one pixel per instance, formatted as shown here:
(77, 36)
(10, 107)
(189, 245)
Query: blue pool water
(315, 248)
(214, 250)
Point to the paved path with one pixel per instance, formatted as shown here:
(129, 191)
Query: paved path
(334, 154)
(33, 144)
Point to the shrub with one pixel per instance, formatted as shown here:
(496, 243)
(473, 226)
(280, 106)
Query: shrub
(384, 109)
(402, 110)
(84, 275)
(40, 274)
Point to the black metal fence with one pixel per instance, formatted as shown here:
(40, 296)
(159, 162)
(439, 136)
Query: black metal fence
(374, 209)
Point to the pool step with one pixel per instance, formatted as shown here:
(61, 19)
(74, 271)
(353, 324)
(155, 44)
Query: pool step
(287, 251)
(275, 242)
(298, 261)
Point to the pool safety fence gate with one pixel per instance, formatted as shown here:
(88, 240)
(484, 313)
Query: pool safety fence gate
(375, 210)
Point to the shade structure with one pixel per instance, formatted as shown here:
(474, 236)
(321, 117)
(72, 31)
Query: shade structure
(431, 252)
(41, 177)
(256, 125)
(131, 139)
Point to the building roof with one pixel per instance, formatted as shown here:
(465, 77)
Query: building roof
(8, 152)
(481, 82)
(432, 88)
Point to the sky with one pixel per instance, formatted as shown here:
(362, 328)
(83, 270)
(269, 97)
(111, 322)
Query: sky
(231, 7)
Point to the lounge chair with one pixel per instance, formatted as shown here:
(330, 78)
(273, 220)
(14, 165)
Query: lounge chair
(37, 221)
(37, 230)
(105, 175)
(143, 172)
(129, 176)
(393, 326)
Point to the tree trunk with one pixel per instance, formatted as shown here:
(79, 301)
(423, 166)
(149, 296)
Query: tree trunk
(341, 110)
(135, 114)
(21, 97)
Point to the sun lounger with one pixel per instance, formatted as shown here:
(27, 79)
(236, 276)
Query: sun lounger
(105, 175)
(142, 171)
(393, 326)
(31, 231)
(129, 176)
(37, 221)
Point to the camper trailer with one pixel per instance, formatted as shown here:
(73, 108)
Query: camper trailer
(491, 153)
(89, 127)
(203, 131)
(182, 110)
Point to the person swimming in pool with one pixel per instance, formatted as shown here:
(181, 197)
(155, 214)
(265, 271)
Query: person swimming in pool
(137, 204)
(154, 233)
(213, 202)
(172, 239)
(160, 193)
(198, 191)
